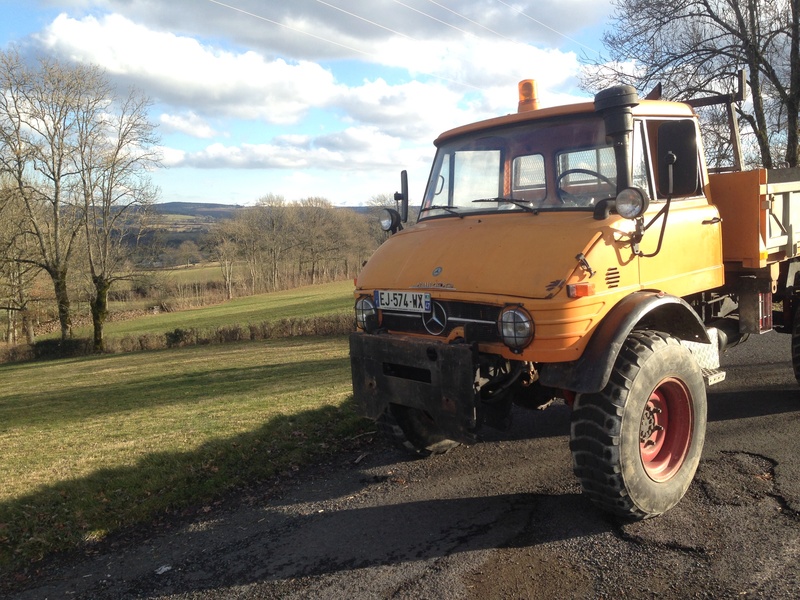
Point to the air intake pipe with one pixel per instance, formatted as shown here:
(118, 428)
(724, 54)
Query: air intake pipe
(615, 104)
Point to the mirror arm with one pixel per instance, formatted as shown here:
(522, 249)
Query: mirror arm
(665, 212)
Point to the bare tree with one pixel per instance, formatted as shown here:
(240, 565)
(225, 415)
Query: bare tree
(319, 238)
(333, 240)
(116, 144)
(284, 244)
(251, 247)
(696, 47)
(225, 251)
(362, 234)
(38, 132)
(17, 271)
(267, 235)
(78, 160)
(278, 224)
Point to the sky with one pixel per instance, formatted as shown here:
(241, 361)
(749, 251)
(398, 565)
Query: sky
(323, 98)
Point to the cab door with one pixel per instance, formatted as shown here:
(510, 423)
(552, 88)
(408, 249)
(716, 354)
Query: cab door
(681, 250)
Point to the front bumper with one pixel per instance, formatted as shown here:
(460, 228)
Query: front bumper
(430, 376)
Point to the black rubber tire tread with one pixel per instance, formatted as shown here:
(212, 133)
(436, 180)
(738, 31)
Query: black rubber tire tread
(403, 428)
(796, 344)
(596, 432)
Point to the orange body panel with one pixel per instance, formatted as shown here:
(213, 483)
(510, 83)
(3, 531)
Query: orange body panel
(529, 259)
(690, 259)
(758, 216)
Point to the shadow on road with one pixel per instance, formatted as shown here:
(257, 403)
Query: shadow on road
(283, 549)
(762, 402)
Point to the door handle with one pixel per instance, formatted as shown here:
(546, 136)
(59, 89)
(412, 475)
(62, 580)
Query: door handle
(713, 221)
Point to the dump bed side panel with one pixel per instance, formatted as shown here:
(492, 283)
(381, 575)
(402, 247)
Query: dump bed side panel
(760, 212)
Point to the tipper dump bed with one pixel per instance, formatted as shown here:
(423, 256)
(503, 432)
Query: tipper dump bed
(760, 212)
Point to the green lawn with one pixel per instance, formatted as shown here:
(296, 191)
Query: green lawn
(93, 444)
(316, 300)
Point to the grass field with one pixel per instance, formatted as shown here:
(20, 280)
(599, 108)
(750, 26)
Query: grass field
(316, 300)
(95, 444)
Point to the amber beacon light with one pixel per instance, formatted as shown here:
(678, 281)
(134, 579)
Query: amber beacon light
(528, 96)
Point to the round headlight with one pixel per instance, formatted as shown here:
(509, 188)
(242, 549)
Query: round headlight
(391, 220)
(516, 327)
(631, 203)
(365, 308)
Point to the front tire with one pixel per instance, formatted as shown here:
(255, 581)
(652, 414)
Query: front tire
(637, 443)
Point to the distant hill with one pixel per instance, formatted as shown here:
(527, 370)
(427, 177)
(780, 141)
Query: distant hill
(210, 211)
(198, 209)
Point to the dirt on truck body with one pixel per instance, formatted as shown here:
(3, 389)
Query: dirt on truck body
(583, 252)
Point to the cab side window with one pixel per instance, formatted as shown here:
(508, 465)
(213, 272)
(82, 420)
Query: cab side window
(651, 127)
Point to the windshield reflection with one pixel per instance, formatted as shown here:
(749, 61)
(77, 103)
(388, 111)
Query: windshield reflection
(546, 166)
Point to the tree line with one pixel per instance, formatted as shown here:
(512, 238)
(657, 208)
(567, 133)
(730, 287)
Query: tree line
(283, 245)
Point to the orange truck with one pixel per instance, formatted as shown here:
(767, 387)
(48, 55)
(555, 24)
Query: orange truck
(583, 252)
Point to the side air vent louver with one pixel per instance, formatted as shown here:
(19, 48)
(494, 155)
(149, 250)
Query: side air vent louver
(612, 277)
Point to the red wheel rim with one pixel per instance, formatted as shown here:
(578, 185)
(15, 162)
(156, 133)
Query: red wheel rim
(665, 432)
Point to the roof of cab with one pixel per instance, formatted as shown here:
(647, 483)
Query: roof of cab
(645, 108)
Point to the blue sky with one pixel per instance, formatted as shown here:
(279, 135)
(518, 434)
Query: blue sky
(301, 98)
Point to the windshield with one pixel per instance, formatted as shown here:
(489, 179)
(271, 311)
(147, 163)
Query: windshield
(552, 165)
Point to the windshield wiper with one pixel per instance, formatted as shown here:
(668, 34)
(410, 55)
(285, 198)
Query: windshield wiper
(451, 209)
(524, 205)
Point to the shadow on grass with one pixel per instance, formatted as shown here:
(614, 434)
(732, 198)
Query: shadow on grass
(76, 512)
(97, 398)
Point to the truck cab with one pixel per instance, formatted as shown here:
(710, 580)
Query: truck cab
(569, 252)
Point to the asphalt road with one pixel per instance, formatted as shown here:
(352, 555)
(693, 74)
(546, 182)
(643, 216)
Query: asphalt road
(501, 519)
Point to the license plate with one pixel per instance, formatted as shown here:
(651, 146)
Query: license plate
(419, 302)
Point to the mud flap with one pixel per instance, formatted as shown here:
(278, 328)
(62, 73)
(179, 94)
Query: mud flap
(434, 377)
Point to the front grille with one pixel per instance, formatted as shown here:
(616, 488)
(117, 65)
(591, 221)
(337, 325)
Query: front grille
(478, 320)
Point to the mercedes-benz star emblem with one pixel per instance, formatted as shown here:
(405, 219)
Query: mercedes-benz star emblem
(437, 271)
(435, 321)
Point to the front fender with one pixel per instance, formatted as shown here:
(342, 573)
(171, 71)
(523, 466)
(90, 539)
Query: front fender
(641, 310)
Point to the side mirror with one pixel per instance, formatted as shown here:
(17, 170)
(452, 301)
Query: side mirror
(401, 197)
(678, 171)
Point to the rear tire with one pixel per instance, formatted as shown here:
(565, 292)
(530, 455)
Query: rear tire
(413, 431)
(637, 443)
(796, 344)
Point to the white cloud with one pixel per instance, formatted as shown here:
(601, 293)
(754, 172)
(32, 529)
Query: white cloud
(171, 157)
(351, 149)
(183, 72)
(189, 124)
(411, 111)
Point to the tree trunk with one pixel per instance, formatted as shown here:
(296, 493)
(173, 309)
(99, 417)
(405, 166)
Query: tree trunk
(760, 128)
(27, 327)
(99, 305)
(62, 300)
(10, 327)
(793, 103)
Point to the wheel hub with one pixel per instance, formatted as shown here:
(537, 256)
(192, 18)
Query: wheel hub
(649, 424)
(665, 430)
